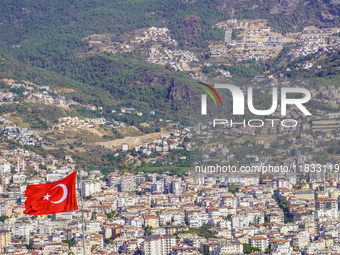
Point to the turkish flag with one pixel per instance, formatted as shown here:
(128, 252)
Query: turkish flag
(51, 198)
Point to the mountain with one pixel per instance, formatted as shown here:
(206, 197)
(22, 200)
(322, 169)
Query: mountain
(285, 15)
(42, 41)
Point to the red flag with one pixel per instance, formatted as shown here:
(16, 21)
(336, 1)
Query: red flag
(51, 198)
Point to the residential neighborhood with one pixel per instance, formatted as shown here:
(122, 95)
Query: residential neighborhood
(130, 213)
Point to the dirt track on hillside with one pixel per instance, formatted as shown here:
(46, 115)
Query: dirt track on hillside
(132, 141)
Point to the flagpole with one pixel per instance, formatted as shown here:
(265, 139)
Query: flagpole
(82, 212)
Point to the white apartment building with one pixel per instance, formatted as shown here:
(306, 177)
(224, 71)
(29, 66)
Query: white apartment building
(281, 247)
(176, 187)
(196, 220)
(157, 187)
(88, 188)
(23, 230)
(326, 208)
(5, 167)
(301, 239)
(160, 245)
(259, 242)
(233, 247)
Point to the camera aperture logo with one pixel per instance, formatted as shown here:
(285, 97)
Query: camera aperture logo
(239, 105)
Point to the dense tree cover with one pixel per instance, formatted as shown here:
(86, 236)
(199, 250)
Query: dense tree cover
(328, 63)
(34, 115)
(138, 84)
(44, 19)
(25, 19)
(48, 36)
(203, 231)
(117, 134)
(175, 158)
(246, 71)
(334, 148)
(247, 249)
(112, 160)
(70, 243)
(52, 30)
(283, 23)
(114, 81)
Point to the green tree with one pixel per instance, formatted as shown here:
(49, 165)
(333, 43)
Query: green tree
(147, 230)
(93, 247)
(269, 249)
(108, 241)
(117, 133)
(232, 188)
(70, 243)
(111, 214)
(247, 249)
(3, 217)
(30, 244)
(228, 217)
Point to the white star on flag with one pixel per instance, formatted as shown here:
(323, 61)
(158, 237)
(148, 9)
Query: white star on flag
(47, 196)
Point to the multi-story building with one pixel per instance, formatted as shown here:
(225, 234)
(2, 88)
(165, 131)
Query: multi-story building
(229, 201)
(211, 248)
(259, 242)
(5, 209)
(4, 239)
(196, 219)
(157, 187)
(152, 221)
(176, 187)
(160, 245)
(276, 217)
(113, 180)
(280, 246)
(22, 229)
(127, 183)
(301, 239)
(5, 167)
(326, 208)
(232, 247)
(88, 188)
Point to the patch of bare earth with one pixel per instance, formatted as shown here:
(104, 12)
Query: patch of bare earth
(132, 141)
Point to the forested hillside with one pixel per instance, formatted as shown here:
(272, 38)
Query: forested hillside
(42, 38)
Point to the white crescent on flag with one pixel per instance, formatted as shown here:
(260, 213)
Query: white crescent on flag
(65, 193)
